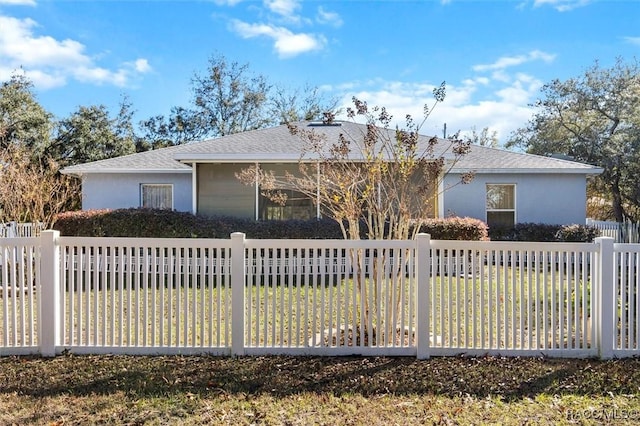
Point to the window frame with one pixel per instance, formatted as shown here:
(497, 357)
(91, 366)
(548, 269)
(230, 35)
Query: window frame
(513, 210)
(156, 185)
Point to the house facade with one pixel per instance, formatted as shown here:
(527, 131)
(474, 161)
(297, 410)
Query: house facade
(201, 177)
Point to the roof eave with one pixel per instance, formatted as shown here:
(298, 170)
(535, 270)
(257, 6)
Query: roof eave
(240, 158)
(577, 170)
(80, 172)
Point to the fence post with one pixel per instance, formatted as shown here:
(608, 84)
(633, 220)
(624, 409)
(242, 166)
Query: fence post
(423, 298)
(49, 303)
(237, 293)
(12, 230)
(605, 307)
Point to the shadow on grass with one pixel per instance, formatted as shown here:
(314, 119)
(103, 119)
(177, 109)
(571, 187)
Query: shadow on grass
(511, 378)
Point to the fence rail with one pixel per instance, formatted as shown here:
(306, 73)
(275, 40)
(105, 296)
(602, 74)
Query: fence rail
(20, 230)
(621, 232)
(323, 297)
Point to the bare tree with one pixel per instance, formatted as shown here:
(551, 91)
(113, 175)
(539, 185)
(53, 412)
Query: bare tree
(378, 182)
(32, 191)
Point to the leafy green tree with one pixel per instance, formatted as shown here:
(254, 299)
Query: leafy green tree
(306, 103)
(90, 134)
(484, 137)
(594, 118)
(228, 99)
(181, 126)
(23, 121)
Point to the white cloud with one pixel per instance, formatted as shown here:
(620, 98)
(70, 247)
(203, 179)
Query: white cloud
(511, 61)
(466, 106)
(521, 91)
(142, 66)
(327, 17)
(285, 8)
(49, 62)
(18, 2)
(286, 43)
(632, 40)
(227, 2)
(562, 5)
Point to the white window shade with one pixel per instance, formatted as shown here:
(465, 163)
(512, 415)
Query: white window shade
(157, 196)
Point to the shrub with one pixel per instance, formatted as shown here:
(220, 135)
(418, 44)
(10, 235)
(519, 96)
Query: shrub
(456, 228)
(577, 233)
(171, 224)
(543, 232)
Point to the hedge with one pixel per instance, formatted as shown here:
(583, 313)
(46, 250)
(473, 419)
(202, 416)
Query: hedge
(545, 233)
(152, 223)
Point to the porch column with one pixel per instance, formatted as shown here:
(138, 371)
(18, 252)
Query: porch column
(318, 190)
(194, 188)
(257, 202)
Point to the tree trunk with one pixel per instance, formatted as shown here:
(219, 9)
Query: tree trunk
(618, 208)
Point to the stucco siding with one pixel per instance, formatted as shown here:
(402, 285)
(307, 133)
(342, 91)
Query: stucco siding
(117, 191)
(540, 198)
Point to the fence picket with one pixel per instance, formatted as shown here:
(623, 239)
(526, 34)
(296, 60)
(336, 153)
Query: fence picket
(125, 295)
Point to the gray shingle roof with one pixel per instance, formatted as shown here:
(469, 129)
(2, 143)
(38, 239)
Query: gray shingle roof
(276, 144)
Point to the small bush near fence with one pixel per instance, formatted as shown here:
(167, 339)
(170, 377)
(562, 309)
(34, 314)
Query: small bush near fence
(172, 224)
(545, 233)
(457, 228)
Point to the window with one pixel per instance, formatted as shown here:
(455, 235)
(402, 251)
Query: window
(298, 206)
(501, 205)
(156, 196)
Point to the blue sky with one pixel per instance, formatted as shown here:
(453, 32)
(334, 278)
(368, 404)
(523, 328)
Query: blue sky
(494, 55)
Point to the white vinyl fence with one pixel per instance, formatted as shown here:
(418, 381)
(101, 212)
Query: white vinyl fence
(621, 232)
(20, 229)
(318, 297)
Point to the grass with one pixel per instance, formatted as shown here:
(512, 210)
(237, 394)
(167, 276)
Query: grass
(314, 390)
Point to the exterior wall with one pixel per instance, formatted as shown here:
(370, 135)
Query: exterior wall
(221, 193)
(118, 191)
(540, 198)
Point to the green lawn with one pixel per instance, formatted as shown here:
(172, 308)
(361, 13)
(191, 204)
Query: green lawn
(123, 390)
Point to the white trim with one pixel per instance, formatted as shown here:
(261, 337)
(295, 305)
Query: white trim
(440, 201)
(515, 201)
(80, 172)
(257, 191)
(587, 170)
(127, 171)
(194, 188)
(318, 190)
